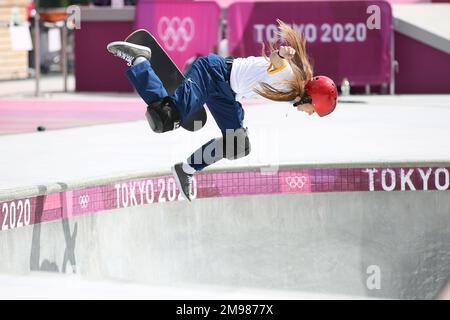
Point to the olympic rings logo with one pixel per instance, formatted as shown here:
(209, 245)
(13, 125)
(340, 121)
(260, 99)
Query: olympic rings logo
(83, 201)
(296, 182)
(176, 33)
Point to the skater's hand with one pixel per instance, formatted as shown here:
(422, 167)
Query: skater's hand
(306, 107)
(277, 57)
(286, 52)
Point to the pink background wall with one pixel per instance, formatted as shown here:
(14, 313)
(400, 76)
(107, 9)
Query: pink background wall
(95, 68)
(331, 56)
(164, 19)
(422, 69)
(226, 3)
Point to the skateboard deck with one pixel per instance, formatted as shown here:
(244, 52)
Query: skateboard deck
(168, 73)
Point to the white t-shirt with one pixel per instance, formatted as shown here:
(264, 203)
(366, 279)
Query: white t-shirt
(247, 73)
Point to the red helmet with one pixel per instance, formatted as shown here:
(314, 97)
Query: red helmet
(323, 94)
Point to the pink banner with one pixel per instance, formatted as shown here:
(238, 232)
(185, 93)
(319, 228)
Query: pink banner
(185, 30)
(136, 192)
(349, 39)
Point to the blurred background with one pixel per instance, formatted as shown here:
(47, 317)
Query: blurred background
(419, 44)
(367, 47)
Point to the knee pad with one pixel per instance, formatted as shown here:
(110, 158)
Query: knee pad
(163, 116)
(236, 143)
(232, 145)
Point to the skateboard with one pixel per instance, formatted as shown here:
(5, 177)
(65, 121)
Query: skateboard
(168, 73)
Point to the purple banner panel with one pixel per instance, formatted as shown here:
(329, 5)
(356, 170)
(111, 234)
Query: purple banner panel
(349, 39)
(23, 212)
(183, 29)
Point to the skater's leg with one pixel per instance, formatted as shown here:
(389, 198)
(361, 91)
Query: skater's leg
(229, 116)
(147, 83)
(189, 96)
(227, 112)
(207, 154)
(162, 114)
(140, 73)
(187, 99)
(234, 142)
(194, 90)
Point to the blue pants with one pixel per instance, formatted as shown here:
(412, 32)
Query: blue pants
(204, 83)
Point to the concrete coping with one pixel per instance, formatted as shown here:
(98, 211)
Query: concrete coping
(56, 187)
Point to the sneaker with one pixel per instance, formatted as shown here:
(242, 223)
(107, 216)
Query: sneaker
(183, 180)
(129, 51)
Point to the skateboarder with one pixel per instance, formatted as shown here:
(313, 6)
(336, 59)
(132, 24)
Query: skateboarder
(284, 75)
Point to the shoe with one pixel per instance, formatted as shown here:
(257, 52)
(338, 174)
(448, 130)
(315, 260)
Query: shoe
(183, 180)
(129, 51)
(163, 116)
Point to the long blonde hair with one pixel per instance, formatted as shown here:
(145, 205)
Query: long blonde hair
(300, 66)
